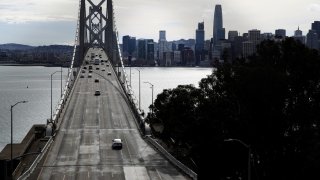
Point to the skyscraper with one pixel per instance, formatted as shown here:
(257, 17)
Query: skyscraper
(218, 30)
(299, 36)
(199, 43)
(315, 26)
(280, 33)
(162, 44)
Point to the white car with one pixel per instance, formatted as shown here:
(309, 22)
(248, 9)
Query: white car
(89, 75)
(116, 144)
(109, 73)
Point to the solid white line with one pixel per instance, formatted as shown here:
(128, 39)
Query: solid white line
(158, 174)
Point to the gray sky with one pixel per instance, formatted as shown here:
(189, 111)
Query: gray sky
(43, 22)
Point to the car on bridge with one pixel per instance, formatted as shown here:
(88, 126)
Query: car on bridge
(116, 144)
(97, 93)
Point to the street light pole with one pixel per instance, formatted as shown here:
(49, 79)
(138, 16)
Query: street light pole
(249, 154)
(51, 91)
(61, 83)
(130, 74)
(139, 91)
(11, 108)
(151, 96)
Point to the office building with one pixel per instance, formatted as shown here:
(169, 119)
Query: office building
(248, 48)
(315, 26)
(299, 36)
(125, 45)
(232, 35)
(142, 47)
(280, 33)
(218, 30)
(312, 39)
(162, 44)
(199, 46)
(150, 50)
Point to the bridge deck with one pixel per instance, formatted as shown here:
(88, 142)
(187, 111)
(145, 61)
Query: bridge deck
(82, 149)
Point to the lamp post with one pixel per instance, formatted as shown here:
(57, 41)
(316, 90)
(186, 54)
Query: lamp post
(151, 96)
(11, 108)
(139, 91)
(249, 154)
(51, 92)
(61, 83)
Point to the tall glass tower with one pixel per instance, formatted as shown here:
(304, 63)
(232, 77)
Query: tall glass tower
(218, 30)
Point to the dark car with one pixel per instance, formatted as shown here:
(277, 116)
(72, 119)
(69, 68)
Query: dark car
(97, 93)
(116, 144)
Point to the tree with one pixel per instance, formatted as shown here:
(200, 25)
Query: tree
(271, 101)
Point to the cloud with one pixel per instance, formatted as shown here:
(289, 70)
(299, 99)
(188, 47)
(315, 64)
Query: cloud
(22, 11)
(314, 7)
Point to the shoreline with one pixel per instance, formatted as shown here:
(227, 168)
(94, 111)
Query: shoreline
(38, 64)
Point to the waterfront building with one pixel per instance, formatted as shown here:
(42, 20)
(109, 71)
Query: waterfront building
(162, 44)
(248, 48)
(132, 46)
(142, 46)
(237, 46)
(187, 58)
(232, 35)
(267, 36)
(199, 46)
(312, 39)
(315, 26)
(177, 57)
(299, 36)
(167, 59)
(280, 33)
(218, 30)
(125, 45)
(150, 50)
(254, 36)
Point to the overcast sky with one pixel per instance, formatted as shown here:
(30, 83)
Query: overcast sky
(44, 22)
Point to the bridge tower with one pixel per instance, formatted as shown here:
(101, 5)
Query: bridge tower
(97, 29)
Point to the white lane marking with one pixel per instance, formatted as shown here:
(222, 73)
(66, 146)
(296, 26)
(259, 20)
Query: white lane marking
(64, 177)
(88, 175)
(158, 174)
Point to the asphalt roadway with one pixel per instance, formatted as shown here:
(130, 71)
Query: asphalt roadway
(82, 148)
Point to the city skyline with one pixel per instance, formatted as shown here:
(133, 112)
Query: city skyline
(54, 21)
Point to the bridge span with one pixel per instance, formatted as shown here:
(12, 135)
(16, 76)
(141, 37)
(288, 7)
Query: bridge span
(82, 147)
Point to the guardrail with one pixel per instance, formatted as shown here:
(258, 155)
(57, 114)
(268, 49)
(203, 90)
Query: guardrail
(177, 163)
(37, 160)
